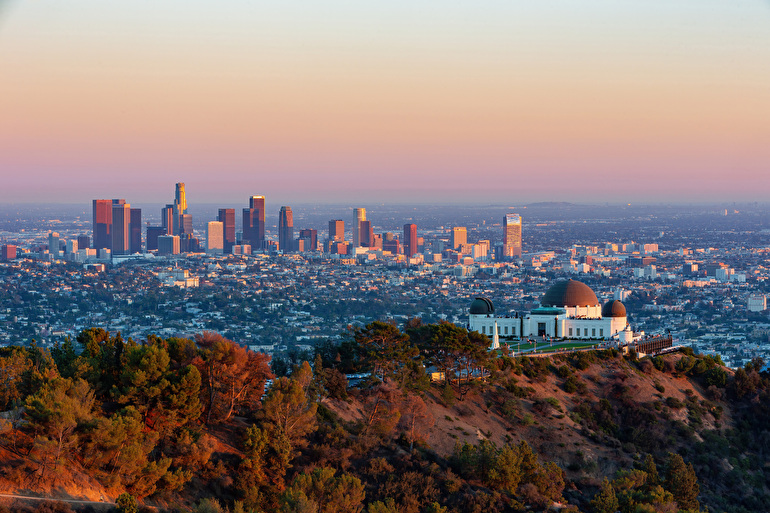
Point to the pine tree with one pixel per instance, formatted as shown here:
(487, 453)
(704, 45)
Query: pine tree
(682, 482)
(652, 471)
(605, 500)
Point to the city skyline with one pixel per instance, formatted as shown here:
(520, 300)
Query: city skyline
(619, 101)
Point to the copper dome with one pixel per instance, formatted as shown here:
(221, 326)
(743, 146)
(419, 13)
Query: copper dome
(613, 309)
(569, 293)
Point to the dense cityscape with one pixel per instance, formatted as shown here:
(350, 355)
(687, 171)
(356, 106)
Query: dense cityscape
(698, 273)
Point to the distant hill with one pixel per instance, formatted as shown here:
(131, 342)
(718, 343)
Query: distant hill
(551, 204)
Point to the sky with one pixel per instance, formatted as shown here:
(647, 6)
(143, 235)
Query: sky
(509, 101)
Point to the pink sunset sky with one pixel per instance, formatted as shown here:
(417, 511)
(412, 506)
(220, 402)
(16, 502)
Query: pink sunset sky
(397, 102)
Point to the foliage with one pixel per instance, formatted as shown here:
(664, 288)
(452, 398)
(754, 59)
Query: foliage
(384, 347)
(322, 491)
(126, 503)
(288, 411)
(461, 355)
(232, 376)
(681, 481)
(152, 418)
(509, 469)
(605, 500)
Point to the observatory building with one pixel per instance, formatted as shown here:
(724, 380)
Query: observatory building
(569, 309)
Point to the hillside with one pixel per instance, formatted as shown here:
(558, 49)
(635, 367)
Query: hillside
(650, 411)
(184, 421)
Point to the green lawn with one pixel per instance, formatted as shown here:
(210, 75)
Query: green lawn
(547, 347)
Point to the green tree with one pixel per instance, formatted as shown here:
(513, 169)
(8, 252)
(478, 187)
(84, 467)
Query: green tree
(322, 491)
(387, 506)
(652, 471)
(605, 500)
(54, 412)
(14, 365)
(681, 481)
(119, 450)
(288, 410)
(261, 476)
(167, 398)
(65, 357)
(144, 381)
(384, 347)
(318, 390)
(126, 503)
(460, 354)
(506, 473)
(103, 358)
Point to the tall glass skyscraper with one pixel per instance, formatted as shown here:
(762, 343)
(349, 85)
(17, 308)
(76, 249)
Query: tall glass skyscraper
(227, 218)
(135, 231)
(337, 230)
(285, 230)
(102, 235)
(180, 198)
(180, 209)
(459, 237)
(254, 222)
(360, 214)
(511, 235)
(410, 239)
(121, 220)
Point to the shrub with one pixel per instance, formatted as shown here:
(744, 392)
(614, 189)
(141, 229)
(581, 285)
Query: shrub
(582, 360)
(535, 368)
(715, 377)
(126, 503)
(646, 366)
(448, 395)
(511, 409)
(685, 364)
(575, 384)
(673, 402)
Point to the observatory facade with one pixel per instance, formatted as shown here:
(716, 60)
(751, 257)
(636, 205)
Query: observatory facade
(569, 309)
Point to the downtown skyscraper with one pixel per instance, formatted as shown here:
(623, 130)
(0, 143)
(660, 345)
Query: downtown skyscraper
(180, 210)
(135, 231)
(121, 220)
(511, 235)
(102, 219)
(227, 218)
(360, 215)
(410, 239)
(459, 237)
(254, 222)
(337, 230)
(286, 230)
(117, 226)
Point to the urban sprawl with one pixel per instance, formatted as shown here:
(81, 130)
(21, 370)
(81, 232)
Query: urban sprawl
(699, 274)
